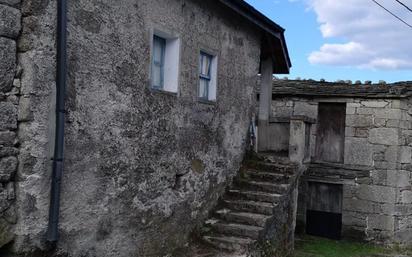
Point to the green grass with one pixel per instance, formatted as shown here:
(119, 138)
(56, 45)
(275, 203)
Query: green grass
(319, 247)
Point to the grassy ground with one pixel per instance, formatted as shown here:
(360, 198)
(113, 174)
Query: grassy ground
(319, 247)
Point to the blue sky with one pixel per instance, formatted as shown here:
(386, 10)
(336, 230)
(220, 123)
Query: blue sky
(348, 40)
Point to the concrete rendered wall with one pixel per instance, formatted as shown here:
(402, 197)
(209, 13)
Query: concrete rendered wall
(376, 173)
(142, 168)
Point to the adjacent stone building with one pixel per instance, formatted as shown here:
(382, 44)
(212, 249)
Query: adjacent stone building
(160, 95)
(358, 156)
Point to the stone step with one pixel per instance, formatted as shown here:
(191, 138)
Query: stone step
(238, 230)
(266, 176)
(247, 218)
(229, 243)
(247, 185)
(250, 206)
(272, 167)
(273, 158)
(253, 196)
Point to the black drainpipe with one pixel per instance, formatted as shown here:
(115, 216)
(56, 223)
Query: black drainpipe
(53, 227)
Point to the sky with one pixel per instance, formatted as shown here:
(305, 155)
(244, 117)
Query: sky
(344, 39)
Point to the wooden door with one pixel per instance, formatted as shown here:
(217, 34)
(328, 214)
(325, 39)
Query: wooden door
(324, 210)
(330, 136)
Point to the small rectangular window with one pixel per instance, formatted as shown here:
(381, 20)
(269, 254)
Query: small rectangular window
(159, 48)
(207, 77)
(165, 61)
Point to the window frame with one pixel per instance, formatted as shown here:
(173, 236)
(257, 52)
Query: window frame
(205, 77)
(211, 77)
(172, 60)
(161, 64)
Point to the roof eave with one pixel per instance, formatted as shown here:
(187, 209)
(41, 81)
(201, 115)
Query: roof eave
(267, 25)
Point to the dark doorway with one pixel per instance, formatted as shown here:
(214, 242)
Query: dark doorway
(330, 136)
(324, 210)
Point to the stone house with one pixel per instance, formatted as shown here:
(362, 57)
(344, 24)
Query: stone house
(159, 96)
(357, 149)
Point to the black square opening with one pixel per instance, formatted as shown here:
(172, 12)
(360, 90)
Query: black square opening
(324, 224)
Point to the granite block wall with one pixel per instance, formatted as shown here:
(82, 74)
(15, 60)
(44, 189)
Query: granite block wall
(10, 26)
(403, 178)
(375, 174)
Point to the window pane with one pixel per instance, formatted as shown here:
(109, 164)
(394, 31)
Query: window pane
(159, 46)
(204, 88)
(158, 50)
(205, 61)
(157, 76)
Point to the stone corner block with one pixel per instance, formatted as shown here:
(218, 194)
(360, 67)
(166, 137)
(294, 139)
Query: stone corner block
(7, 63)
(405, 154)
(8, 116)
(10, 2)
(379, 194)
(10, 21)
(7, 138)
(374, 103)
(381, 222)
(305, 109)
(8, 167)
(359, 121)
(6, 234)
(358, 151)
(384, 136)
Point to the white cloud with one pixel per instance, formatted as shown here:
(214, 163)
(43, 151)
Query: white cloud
(340, 54)
(374, 38)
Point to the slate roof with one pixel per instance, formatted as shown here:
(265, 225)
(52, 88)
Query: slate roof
(309, 88)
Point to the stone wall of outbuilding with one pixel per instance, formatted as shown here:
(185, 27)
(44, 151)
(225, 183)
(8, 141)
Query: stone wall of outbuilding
(403, 206)
(10, 20)
(375, 174)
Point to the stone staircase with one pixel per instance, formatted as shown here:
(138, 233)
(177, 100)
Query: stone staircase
(259, 207)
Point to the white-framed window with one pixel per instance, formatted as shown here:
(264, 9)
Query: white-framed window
(165, 62)
(207, 76)
(158, 62)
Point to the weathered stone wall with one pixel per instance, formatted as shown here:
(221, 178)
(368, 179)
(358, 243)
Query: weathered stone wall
(376, 174)
(10, 18)
(403, 206)
(142, 168)
(372, 139)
